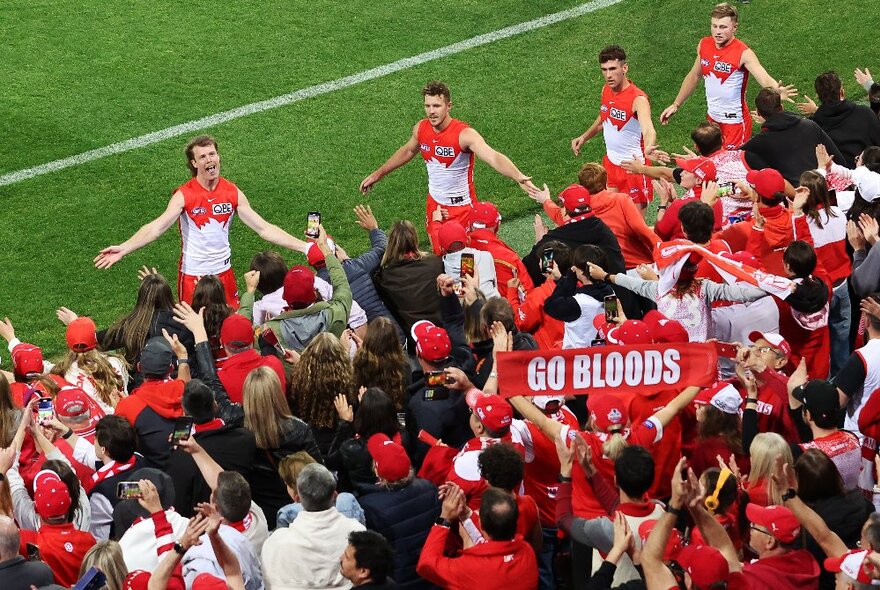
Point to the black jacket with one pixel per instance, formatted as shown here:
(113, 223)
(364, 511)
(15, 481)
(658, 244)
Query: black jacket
(845, 515)
(787, 143)
(852, 127)
(232, 447)
(409, 290)
(404, 517)
(562, 305)
(19, 574)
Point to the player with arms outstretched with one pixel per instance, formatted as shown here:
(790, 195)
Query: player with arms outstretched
(625, 121)
(724, 63)
(204, 207)
(448, 147)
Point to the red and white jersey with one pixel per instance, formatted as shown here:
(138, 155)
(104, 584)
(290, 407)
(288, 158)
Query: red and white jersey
(620, 125)
(731, 166)
(204, 227)
(450, 168)
(465, 470)
(725, 80)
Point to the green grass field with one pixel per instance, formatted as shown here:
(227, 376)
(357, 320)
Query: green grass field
(81, 75)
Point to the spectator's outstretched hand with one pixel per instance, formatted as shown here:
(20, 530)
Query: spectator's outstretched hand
(870, 228)
(457, 379)
(646, 271)
(198, 524)
(365, 217)
(65, 316)
(7, 331)
(251, 280)
(854, 235)
(149, 499)
(502, 340)
(808, 107)
(144, 272)
(863, 76)
(176, 345)
(584, 455)
(783, 476)
(541, 196)
(730, 465)
(687, 153)
(798, 377)
(653, 152)
(186, 315)
(541, 229)
(823, 158)
(343, 408)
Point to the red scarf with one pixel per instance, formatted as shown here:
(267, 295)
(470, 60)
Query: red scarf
(212, 425)
(242, 525)
(109, 470)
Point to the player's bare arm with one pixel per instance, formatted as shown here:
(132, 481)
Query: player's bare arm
(642, 108)
(637, 167)
(750, 62)
(268, 231)
(586, 136)
(688, 85)
(402, 156)
(147, 233)
(474, 142)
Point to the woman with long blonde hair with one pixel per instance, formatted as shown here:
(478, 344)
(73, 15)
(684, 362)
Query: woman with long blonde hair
(278, 434)
(323, 372)
(380, 362)
(107, 557)
(763, 453)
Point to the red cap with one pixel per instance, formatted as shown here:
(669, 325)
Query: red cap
(26, 359)
(664, 330)
(299, 287)
(574, 197)
(704, 564)
(392, 462)
(237, 332)
(81, 335)
(206, 581)
(493, 412)
(853, 563)
(484, 214)
(51, 496)
(673, 544)
(314, 254)
(767, 182)
(778, 520)
(602, 327)
(136, 580)
(432, 343)
(450, 233)
(702, 168)
(775, 340)
(629, 333)
(722, 396)
(607, 412)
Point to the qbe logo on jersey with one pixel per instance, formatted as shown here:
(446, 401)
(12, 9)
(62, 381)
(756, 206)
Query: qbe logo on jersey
(723, 67)
(617, 114)
(444, 151)
(222, 209)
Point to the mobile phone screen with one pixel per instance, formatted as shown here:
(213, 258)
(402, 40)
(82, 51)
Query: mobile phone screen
(45, 409)
(435, 378)
(610, 303)
(546, 259)
(128, 490)
(467, 265)
(312, 223)
(182, 429)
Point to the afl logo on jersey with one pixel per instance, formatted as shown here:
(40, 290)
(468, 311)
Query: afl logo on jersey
(199, 211)
(222, 209)
(603, 108)
(723, 67)
(704, 62)
(618, 114)
(443, 151)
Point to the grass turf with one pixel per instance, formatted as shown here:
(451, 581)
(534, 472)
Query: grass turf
(78, 76)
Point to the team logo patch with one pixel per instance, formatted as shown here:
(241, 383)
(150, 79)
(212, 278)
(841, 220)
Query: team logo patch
(199, 211)
(614, 416)
(603, 108)
(424, 147)
(649, 424)
(723, 67)
(222, 209)
(68, 547)
(444, 151)
(704, 62)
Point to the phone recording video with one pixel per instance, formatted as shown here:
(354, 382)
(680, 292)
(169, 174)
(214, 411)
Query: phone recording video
(435, 378)
(45, 410)
(467, 265)
(546, 260)
(128, 490)
(182, 429)
(610, 303)
(312, 223)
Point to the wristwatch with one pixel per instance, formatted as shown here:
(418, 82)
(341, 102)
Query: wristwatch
(671, 510)
(791, 493)
(442, 522)
(178, 548)
(563, 479)
(661, 207)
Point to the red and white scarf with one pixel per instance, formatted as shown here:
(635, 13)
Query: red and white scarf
(110, 469)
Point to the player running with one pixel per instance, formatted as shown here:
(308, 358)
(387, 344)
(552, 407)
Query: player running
(625, 121)
(204, 207)
(448, 147)
(725, 62)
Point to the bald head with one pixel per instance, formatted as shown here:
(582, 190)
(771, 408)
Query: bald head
(9, 538)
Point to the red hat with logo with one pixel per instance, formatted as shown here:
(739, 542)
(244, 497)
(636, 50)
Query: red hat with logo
(51, 496)
(493, 412)
(607, 412)
(722, 396)
(314, 255)
(629, 333)
(575, 198)
(664, 330)
(704, 564)
(392, 462)
(484, 215)
(602, 327)
(27, 359)
(73, 402)
(432, 343)
(673, 545)
(237, 332)
(81, 335)
(299, 287)
(450, 233)
(778, 520)
(853, 563)
(775, 340)
(767, 182)
(703, 168)
(206, 581)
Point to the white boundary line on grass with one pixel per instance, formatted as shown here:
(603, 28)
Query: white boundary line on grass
(303, 94)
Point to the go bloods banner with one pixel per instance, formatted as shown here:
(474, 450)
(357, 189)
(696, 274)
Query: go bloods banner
(643, 369)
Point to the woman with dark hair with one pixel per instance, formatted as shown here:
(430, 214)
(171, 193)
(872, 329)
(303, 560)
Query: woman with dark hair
(211, 296)
(407, 278)
(9, 414)
(380, 362)
(718, 433)
(376, 414)
(272, 269)
(821, 488)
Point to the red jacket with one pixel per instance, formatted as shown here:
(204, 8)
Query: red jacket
(62, 547)
(529, 316)
(494, 565)
(780, 229)
(505, 258)
(237, 367)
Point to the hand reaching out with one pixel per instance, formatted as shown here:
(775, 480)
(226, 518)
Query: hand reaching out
(144, 272)
(65, 316)
(7, 331)
(808, 107)
(365, 217)
(343, 408)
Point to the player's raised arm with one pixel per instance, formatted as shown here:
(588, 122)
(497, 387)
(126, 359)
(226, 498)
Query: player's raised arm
(148, 233)
(751, 63)
(473, 141)
(642, 108)
(402, 156)
(268, 231)
(586, 136)
(688, 85)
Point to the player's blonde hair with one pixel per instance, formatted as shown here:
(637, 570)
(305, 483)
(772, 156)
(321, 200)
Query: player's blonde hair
(725, 10)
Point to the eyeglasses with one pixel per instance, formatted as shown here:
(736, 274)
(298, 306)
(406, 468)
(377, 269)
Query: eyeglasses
(766, 349)
(760, 530)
